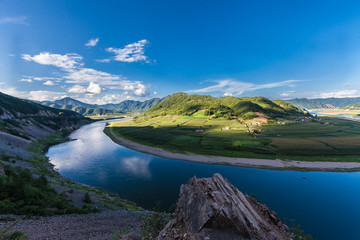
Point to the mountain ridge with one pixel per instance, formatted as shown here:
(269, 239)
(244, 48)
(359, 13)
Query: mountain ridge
(323, 103)
(127, 106)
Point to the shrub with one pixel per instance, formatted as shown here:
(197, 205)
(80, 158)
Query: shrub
(87, 198)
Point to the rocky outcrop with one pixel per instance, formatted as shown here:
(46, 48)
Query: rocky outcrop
(212, 208)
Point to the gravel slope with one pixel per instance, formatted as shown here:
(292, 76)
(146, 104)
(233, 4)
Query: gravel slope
(76, 226)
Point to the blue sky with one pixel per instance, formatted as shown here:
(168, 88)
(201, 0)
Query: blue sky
(110, 51)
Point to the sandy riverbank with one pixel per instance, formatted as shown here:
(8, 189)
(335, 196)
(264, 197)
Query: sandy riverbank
(243, 162)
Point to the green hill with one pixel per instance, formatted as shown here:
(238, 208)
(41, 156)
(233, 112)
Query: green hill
(354, 106)
(30, 120)
(225, 107)
(11, 107)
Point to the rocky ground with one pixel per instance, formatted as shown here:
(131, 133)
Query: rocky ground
(13, 145)
(122, 224)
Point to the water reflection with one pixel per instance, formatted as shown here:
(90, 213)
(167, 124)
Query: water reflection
(137, 166)
(90, 144)
(319, 201)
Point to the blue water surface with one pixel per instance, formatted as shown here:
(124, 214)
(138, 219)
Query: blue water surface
(326, 205)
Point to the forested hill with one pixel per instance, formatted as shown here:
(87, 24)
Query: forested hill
(322, 103)
(12, 107)
(30, 120)
(227, 107)
(355, 106)
(134, 106)
(304, 103)
(83, 110)
(127, 106)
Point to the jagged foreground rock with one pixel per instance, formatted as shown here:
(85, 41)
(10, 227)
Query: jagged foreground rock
(212, 208)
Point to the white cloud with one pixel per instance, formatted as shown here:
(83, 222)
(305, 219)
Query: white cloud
(46, 78)
(287, 93)
(11, 55)
(230, 87)
(45, 95)
(339, 94)
(49, 80)
(26, 80)
(138, 89)
(94, 88)
(77, 89)
(16, 20)
(155, 93)
(67, 61)
(75, 73)
(92, 42)
(34, 95)
(49, 83)
(133, 52)
(86, 75)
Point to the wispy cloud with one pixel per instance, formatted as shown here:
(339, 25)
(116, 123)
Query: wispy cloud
(287, 93)
(29, 80)
(92, 42)
(47, 79)
(67, 61)
(86, 75)
(15, 20)
(133, 52)
(339, 94)
(230, 87)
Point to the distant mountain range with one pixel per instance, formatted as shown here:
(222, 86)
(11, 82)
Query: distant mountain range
(128, 106)
(324, 103)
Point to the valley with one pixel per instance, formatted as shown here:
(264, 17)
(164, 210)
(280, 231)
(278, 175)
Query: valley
(286, 136)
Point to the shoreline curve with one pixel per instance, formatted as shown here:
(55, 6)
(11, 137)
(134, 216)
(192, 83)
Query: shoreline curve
(277, 164)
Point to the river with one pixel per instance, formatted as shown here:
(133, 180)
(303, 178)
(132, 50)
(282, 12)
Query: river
(325, 204)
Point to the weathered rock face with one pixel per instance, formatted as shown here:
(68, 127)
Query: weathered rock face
(212, 208)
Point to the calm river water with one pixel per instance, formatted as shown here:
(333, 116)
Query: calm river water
(326, 205)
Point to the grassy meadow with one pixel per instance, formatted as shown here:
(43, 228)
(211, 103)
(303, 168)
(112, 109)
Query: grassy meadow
(338, 140)
(355, 113)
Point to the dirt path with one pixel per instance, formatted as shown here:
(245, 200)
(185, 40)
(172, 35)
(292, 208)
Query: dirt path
(244, 162)
(81, 226)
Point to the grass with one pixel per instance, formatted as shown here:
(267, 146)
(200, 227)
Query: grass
(355, 113)
(296, 140)
(23, 194)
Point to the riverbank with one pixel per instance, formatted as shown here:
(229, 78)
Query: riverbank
(241, 162)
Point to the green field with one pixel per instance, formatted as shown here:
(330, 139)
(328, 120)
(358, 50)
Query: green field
(355, 113)
(311, 141)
